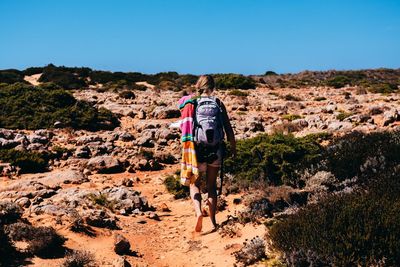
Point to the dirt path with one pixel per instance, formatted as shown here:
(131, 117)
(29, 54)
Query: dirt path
(167, 242)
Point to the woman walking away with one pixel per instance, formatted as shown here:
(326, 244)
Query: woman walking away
(207, 126)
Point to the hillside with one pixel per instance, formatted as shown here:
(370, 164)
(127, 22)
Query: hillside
(91, 154)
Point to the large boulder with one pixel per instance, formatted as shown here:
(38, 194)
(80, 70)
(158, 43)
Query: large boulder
(105, 164)
(58, 178)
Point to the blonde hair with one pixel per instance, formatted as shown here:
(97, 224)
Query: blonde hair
(205, 83)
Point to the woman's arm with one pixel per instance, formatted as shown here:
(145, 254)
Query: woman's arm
(230, 135)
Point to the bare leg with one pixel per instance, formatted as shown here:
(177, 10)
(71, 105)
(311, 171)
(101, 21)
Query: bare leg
(196, 198)
(212, 173)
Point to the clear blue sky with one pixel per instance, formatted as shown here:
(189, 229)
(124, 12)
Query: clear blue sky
(201, 36)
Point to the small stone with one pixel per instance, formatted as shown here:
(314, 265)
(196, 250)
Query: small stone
(121, 244)
(237, 201)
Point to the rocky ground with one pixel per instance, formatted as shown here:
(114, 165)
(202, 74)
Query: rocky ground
(113, 180)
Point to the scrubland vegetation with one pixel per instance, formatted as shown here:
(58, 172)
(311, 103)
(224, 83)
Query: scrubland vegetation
(29, 107)
(355, 222)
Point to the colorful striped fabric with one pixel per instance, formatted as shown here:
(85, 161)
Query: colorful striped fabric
(189, 170)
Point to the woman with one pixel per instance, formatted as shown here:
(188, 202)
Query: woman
(209, 160)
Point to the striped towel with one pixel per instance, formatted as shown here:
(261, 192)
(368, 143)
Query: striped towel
(189, 170)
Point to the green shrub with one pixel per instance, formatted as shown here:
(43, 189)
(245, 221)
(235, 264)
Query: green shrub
(291, 117)
(237, 92)
(33, 70)
(359, 154)
(11, 76)
(338, 81)
(270, 73)
(64, 77)
(233, 81)
(79, 259)
(382, 88)
(343, 115)
(357, 229)
(102, 200)
(29, 107)
(319, 98)
(174, 186)
(10, 212)
(29, 162)
(169, 85)
(275, 159)
(290, 97)
(7, 249)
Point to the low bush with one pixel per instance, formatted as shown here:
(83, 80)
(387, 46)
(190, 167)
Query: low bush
(7, 249)
(290, 97)
(291, 117)
(63, 77)
(233, 81)
(102, 200)
(357, 229)
(29, 162)
(251, 252)
(362, 155)
(42, 241)
(32, 70)
(270, 73)
(383, 88)
(174, 186)
(79, 258)
(338, 81)
(237, 92)
(343, 115)
(276, 159)
(9, 212)
(45, 242)
(29, 107)
(11, 76)
(320, 98)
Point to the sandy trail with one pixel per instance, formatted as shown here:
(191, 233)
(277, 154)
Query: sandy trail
(168, 242)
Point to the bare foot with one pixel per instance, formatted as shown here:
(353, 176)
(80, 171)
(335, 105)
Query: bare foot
(199, 223)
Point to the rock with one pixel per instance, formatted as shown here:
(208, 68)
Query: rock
(100, 218)
(126, 199)
(330, 108)
(35, 138)
(105, 164)
(128, 182)
(58, 124)
(126, 137)
(300, 123)
(23, 202)
(7, 144)
(58, 178)
(49, 209)
(82, 152)
(340, 126)
(121, 262)
(162, 112)
(121, 245)
(146, 138)
(83, 140)
(390, 116)
(141, 115)
(164, 208)
(153, 216)
(375, 110)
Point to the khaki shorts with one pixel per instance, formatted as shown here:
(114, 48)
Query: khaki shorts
(216, 163)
